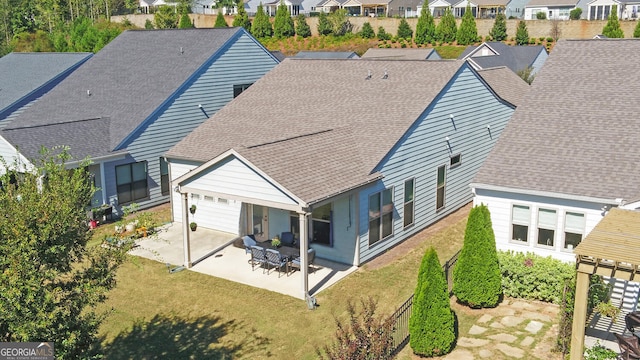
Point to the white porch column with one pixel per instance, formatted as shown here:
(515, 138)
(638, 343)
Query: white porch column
(304, 258)
(185, 230)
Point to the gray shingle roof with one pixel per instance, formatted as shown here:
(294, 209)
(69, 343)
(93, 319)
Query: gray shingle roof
(397, 54)
(578, 130)
(326, 55)
(515, 58)
(318, 126)
(128, 79)
(509, 86)
(25, 73)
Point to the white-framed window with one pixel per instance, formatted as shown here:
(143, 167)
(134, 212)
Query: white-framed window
(223, 201)
(208, 198)
(547, 221)
(520, 220)
(574, 224)
(455, 160)
(380, 215)
(409, 192)
(131, 182)
(440, 187)
(195, 196)
(321, 225)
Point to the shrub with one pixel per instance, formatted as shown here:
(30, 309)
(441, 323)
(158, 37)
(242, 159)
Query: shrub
(148, 24)
(383, 35)
(283, 24)
(426, 26)
(220, 21)
(324, 26)
(431, 325)
(447, 29)
(185, 22)
(261, 26)
(468, 32)
(499, 30)
(599, 352)
(367, 31)
(550, 39)
(476, 277)
(302, 28)
(404, 30)
(242, 19)
(612, 29)
(636, 31)
(575, 14)
(541, 15)
(522, 35)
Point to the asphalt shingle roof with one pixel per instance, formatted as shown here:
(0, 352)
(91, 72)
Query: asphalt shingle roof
(578, 130)
(319, 127)
(127, 80)
(506, 84)
(24, 73)
(326, 55)
(515, 58)
(551, 3)
(397, 54)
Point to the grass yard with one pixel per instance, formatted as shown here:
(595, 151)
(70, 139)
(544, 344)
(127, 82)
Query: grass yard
(188, 315)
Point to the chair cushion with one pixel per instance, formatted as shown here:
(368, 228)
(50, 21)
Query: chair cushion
(287, 239)
(248, 241)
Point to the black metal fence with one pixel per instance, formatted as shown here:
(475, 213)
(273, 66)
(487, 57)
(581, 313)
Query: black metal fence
(401, 316)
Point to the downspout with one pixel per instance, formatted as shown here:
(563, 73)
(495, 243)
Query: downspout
(185, 230)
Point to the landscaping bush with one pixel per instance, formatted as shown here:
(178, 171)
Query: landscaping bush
(302, 28)
(575, 14)
(432, 323)
(612, 29)
(220, 21)
(636, 31)
(599, 352)
(499, 30)
(261, 26)
(541, 15)
(426, 27)
(383, 35)
(404, 30)
(522, 34)
(447, 29)
(367, 31)
(476, 277)
(549, 39)
(531, 276)
(468, 32)
(324, 25)
(283, 26)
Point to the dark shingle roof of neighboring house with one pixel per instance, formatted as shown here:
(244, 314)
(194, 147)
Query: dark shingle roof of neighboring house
(506, 84)
(23, 74)
(278, 55)
(117, 89)
(577, 133)
(326, 55)
(316, 150)
(551, 3)
(398, 54)
(515, 58)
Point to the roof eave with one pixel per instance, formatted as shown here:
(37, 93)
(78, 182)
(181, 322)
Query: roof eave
(543, 193)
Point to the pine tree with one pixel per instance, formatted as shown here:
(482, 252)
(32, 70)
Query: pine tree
(383, 34)
(220, 21)
(432, 323)
(446, 30)
(636, 31)
(261, 26)
(426, 27)
(242, 18)
(499, 30)
(367, 31)
(477, 280)
(468, 32)
(404, 30)
(302, 28)
(522, 35)
(612, 29)
(324, 25)
(283, 23)
(185, 22)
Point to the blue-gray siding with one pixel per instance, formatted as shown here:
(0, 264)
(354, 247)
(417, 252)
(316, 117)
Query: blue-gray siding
(539, 61)
(241, 62)
(424, 148)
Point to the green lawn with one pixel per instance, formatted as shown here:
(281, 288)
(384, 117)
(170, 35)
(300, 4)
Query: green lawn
(154, 314)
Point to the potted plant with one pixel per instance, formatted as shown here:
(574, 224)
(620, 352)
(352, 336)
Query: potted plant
(192, 209)
(193, 226)
(275, 242)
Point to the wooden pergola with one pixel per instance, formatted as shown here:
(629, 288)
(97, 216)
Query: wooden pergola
(611, 249)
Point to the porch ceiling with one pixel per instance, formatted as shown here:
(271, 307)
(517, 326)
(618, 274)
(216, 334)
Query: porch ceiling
(613, 246)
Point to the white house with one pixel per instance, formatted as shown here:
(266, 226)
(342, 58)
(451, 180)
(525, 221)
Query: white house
(600, 9)
(567, 156)
(552, 9)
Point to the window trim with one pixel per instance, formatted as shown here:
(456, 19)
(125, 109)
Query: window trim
(412, 202)
(164, 178)
(565, 230)
(443, 186)
(380, 216)
(146, 181)
(514, 222)
(330, 222)
(241, 88)
(452, 164)
(554, 229)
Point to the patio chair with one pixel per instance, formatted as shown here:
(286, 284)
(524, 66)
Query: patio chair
(258, 256)
(287, 239)
(311, 255)
(248, 243)
(629, 347)
(275, 259)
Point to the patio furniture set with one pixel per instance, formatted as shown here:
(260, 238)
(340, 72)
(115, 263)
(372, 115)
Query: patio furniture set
(266, 256)
(629, 345)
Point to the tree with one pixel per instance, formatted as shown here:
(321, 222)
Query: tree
(185, 21)
(242, 18)
(261, 27)
(446, 30)
(221, 22)
(367, 31)
(636, 31)
(526, 74)
(404, 30)
(364, 336)
(382, 34)
(541, 15)
(477, 280)
(340, 24)
(612, 28)
(324, 26)
(432, 323)
(575, 14)
(165, 17)
(283, 24)
(426, 27)
(51, 282)
(555, 31)
(499, 30)
(468, 32)
(522, 35)
(302, 28)
(148, 24)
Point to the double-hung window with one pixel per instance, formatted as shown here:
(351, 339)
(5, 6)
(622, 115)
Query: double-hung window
(131, 182)
(574, 224)
(164, 177)
(409, 190)
(520, 219)
(440, 188)
(380, 215)
(547, 221)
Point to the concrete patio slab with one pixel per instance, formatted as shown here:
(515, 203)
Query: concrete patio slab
(213, 254)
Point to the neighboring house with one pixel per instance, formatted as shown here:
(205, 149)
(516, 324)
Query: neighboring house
(318, 55)
(494, 53)
(145, 5)
(600, 9)
(205, 7)
(136, 98)
(437, 7)
(329, 6)
(360, 154)
(552, 9)
(405, 8)
(370, 8)
(460, 7)
(293, 6)
(401, 54)
(567, 155)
